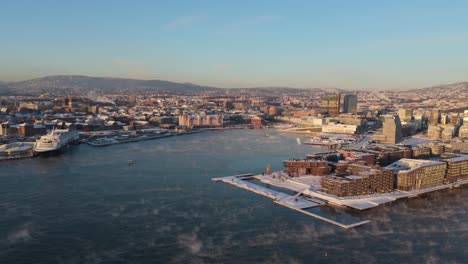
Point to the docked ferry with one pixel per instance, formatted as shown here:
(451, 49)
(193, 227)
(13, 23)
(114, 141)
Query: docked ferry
(56, 140)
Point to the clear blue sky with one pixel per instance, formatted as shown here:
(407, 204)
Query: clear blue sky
(346, 44)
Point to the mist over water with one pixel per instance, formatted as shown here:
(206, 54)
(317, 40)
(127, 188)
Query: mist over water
(90, 206)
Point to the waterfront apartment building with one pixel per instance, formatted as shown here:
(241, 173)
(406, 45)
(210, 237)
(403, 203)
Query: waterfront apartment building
(330, 104)
(457, 169)
(257, 121)
(413, 174)
(197, 120)
(297, 168)
(364, 180)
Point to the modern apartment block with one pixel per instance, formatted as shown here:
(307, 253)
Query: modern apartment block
(457, 169)
(421, 152)
(296, 168)
(387, 154)
(413, 174)
(442, 132)
(363, 180)
(197, 120)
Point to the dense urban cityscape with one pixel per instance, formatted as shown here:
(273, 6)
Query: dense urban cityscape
(383, 146)
(274, 132)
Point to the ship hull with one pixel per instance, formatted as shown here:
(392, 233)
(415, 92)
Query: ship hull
(59, 148)
(52, 152)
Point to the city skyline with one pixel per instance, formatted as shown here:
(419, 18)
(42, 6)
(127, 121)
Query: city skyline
(359, 45)
(233, 131)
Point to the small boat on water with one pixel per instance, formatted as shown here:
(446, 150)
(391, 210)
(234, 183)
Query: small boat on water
(130, 162)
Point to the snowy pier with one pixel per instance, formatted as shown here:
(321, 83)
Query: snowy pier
(238, 181)
(307, 194)
(292, 207)
(363, 202)
(293, 202)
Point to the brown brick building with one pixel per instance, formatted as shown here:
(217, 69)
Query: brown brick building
(296, 168)
(457, 169)
(363, 180)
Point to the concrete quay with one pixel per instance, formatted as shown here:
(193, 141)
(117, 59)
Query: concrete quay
(308, 196)
(355, 202)
(293, 202)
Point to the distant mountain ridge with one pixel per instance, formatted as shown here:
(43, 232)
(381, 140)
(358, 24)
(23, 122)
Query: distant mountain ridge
(460, 87)
(80, 83)
(442, 91)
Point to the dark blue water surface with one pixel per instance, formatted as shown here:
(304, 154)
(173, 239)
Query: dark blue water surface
(89, 206)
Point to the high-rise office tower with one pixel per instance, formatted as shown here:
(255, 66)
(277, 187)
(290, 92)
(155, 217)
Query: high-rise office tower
(330, 104)
(350, 103)
(444, 119)
(434, 117)
(392, 129)
(405, 115)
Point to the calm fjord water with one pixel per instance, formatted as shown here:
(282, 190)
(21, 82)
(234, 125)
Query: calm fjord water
(89, 206)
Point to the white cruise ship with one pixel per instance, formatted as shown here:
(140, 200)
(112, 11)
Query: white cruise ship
(55, 140)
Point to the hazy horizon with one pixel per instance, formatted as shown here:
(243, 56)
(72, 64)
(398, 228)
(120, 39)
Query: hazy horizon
(247, 87)
(302, 44)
